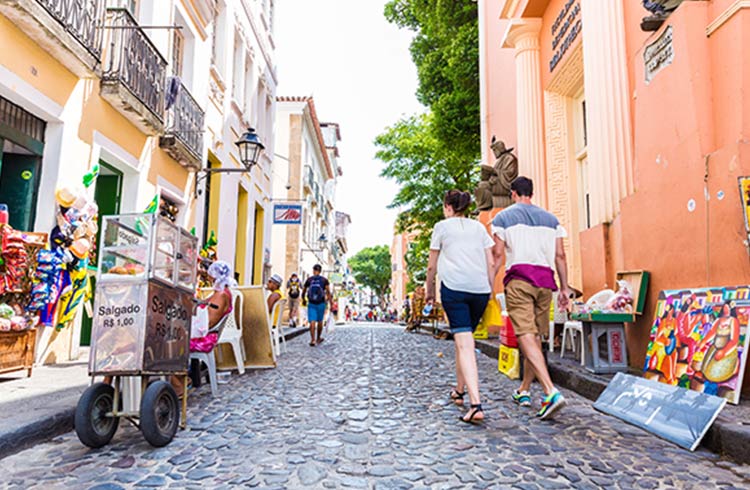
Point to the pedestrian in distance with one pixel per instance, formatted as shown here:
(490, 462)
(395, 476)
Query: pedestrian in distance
(316, 294)
(530, 241)
(293, 291)
(461, 254)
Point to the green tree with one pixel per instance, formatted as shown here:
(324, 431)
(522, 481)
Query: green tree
(445, 50)
(371, 267)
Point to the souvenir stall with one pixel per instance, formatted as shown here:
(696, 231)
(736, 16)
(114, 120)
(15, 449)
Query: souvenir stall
(603, 319)
(18, 322)
(62, 282)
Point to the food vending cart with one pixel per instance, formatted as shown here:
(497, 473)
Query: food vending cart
(141, 331)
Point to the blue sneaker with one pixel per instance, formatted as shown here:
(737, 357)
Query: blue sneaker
(551, 404)
(522, 398)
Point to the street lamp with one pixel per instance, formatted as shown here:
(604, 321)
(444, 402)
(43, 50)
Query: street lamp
(250, 148)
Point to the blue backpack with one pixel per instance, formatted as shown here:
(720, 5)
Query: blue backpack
(316, 294)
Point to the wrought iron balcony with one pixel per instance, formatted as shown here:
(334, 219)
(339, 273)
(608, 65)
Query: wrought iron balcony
(135, 73)
(70, 30)
(183, 136)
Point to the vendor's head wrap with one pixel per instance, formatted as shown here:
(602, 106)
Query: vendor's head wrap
(222, 275)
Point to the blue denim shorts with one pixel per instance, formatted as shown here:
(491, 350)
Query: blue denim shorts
(316, 312)
(464, 310)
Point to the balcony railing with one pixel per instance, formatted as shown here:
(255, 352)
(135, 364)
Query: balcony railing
(134, 63)
(82, 19)
(185, 125)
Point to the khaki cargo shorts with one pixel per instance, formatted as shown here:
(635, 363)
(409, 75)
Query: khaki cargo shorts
(528, 307)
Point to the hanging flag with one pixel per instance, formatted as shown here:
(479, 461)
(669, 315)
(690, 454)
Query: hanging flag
(153, 205)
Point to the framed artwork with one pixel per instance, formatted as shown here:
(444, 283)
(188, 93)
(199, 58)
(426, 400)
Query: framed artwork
(699, 340)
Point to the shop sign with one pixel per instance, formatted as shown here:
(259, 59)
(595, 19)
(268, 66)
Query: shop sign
(565, 30)
(287, 214)
(673, 413)
(659, 54)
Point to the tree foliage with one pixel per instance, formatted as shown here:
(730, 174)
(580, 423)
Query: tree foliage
(371, 267)
(445, 49)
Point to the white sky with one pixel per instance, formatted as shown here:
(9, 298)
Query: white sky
(357, 67)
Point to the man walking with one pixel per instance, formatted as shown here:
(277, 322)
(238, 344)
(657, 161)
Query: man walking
(317, 293)
(531, 241)
(293, 289)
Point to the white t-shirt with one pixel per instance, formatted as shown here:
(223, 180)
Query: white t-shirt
(462, 264)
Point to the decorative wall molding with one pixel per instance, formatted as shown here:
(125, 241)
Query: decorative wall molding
(725, 16)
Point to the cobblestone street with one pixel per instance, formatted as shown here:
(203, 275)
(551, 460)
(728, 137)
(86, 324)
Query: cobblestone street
(369, 408)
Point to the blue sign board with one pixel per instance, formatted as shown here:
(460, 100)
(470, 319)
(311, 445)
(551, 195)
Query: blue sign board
(287, 214)
(676, 414)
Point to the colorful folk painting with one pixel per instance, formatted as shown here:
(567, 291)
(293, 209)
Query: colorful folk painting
(699, 340)
(744, 183)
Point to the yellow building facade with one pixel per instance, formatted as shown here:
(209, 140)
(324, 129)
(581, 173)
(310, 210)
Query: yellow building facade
(123, 84)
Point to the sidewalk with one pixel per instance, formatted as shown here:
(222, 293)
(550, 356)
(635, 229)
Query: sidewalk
(729, 435)
(43, 406)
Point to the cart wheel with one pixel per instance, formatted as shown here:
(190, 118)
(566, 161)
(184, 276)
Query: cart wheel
(160, 413)
(94, 428)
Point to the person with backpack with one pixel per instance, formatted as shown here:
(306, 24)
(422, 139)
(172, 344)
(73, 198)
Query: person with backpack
(293, 290)
(316, 294)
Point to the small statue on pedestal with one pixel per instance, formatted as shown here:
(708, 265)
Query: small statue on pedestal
(483, 192)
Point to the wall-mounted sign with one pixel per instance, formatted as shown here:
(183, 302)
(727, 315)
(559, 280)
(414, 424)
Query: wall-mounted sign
(287, 214)
(565, 30)
(659, 54)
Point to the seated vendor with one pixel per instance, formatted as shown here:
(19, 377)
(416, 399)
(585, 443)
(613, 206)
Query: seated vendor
(217, 306)
(274, 287)
(209, 314)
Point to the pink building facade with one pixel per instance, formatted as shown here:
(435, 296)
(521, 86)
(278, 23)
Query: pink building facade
(635, 140)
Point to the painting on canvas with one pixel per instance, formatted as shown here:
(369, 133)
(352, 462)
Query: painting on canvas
(699, 340)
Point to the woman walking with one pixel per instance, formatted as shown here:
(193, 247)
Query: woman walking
(461, 254)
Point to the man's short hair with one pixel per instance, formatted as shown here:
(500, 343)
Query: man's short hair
(523, 186)
(317, 267)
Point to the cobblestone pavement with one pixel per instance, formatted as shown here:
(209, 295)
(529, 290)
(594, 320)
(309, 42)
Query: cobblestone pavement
(369, 409)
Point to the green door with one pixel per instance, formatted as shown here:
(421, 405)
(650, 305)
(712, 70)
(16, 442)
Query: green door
(107, 197)
(19, 179)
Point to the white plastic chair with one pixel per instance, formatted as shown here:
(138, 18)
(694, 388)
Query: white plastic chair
(277, 331)
(209, 358)
(232, 333)
(571, 332)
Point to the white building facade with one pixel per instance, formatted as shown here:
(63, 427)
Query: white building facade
(306, 169)
(241, 85)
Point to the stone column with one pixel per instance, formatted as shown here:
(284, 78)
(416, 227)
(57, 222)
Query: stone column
(608, 120)
(523, 36)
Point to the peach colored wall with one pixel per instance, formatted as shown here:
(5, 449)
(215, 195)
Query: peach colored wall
(690, 120)
(500, 83)
(698, 106)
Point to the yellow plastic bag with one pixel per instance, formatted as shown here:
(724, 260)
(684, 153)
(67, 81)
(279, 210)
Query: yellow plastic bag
(491, 317)
(509, 362)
